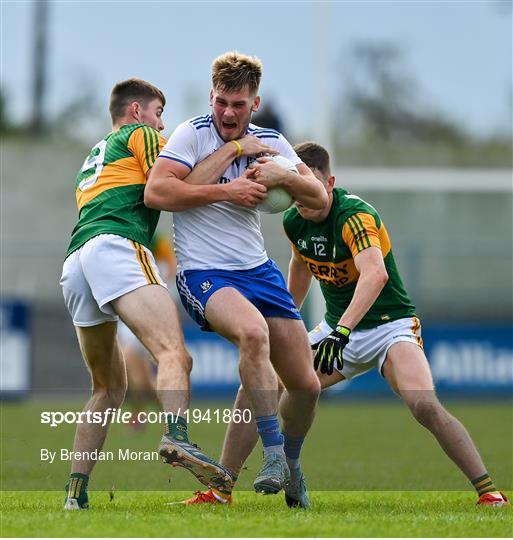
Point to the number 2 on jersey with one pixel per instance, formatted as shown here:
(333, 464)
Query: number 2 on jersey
(320, 249)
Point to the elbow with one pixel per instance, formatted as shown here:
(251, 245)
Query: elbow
(155, 199)
(323, 199)
(314, 201)
(150, 199)
(382, 277)
(320, 201)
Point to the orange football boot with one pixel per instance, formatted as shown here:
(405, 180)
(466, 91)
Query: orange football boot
(207, 497)
(493, 498)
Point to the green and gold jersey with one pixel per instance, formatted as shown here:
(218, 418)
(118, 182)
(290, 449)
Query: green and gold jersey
(328, 250)
(110, 187)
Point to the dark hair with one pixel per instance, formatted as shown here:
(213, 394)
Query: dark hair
(133, 89)
(314, 156)
(232, 71)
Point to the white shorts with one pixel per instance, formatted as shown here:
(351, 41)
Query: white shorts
(103, 269)
(368, 348)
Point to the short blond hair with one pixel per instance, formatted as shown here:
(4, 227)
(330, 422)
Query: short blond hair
(232, 71)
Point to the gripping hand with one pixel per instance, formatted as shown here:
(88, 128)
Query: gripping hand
(330, 350)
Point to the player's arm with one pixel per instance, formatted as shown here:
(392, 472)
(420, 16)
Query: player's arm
(304, 187)
(166, 190)
(373, 277)
(361, 235)
(212, 168)
(299, 279)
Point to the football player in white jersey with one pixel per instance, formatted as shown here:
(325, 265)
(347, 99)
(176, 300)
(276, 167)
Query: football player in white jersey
(226, 281)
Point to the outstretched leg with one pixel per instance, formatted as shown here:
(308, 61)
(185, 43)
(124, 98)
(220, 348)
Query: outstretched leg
(407, 371)
(152, 316)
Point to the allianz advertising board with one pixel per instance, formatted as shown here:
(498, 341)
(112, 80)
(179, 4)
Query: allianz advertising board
(465, 360)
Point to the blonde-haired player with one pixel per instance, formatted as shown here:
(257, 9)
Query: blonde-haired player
(226, 281)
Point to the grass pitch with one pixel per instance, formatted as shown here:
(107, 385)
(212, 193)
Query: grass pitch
(371, 469)
(334, 514)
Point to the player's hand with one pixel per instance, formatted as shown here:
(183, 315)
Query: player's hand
(266, 172)
(245, 192)
(329, 350)
(252, 146)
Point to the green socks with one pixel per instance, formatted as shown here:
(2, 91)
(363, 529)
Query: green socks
(76, 488)
(484, 484)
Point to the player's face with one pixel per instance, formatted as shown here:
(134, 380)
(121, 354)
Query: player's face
(318, 215)
(232, 111)
(151, 114)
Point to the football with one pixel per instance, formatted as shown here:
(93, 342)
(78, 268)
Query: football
(278, 200)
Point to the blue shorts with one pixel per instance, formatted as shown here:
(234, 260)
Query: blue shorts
(263, 286)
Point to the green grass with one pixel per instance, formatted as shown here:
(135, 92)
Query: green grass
(372, 471)
(334, 514)
(373, 446)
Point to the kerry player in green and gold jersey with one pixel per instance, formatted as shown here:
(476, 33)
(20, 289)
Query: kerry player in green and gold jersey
(369, 323)
(110, 272)
(370, 320)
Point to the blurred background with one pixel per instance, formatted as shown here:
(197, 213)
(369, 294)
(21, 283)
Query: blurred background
(413, 100)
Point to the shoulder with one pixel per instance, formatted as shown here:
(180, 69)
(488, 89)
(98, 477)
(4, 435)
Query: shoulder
(138, 130)
(130, 138)
(200, 122)
(193, 129)
(185, 133)
(264, 133)
(276, 140)
(349, 205)
(139, 136)
(124, 133)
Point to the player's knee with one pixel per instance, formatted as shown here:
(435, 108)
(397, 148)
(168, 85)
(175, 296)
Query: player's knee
(427, 411)
(313, 386)
(169, 350)
(175, 357)
(186, 360)
(309, 388)
(112, 396)
(254, 337)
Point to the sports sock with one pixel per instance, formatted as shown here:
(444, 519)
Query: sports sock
(292, 447)
(176, 427)
(76, 488)
(268, 428)
(483, 484)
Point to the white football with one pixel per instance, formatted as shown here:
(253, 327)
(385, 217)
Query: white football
(278, 200)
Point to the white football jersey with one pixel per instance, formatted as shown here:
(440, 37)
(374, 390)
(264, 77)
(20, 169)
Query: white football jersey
(219, 235)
